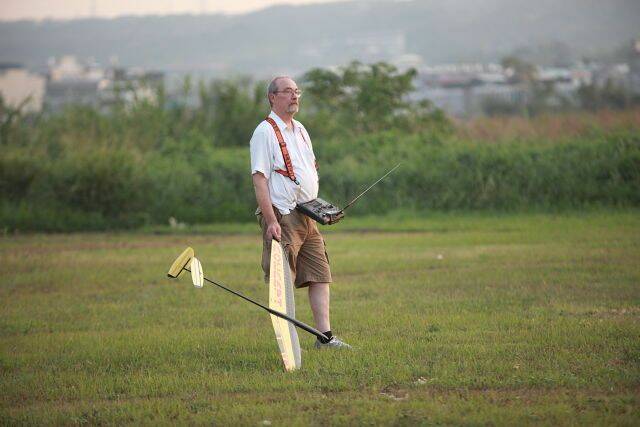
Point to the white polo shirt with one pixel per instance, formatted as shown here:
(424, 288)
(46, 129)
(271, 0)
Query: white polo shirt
(266, 157)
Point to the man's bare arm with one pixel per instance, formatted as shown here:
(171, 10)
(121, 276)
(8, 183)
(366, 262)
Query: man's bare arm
(264, 201)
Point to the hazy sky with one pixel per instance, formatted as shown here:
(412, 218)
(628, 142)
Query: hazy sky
(68, 9)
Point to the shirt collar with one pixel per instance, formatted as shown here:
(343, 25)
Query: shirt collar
(281, 124)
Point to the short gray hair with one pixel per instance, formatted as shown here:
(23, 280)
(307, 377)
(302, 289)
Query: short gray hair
(273, 86)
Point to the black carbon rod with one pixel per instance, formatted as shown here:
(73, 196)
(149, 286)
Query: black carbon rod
(296, 322)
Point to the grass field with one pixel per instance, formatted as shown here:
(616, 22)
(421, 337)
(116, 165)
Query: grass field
(463, 319)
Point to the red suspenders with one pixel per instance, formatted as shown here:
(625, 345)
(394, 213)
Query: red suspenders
(285, 153)
(289, 173)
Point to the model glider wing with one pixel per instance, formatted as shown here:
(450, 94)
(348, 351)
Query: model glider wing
(197, 276)
(281, 299)
(180, 263)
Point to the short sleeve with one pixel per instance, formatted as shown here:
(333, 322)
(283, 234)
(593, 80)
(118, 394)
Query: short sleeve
(261, 160)
(307, 138)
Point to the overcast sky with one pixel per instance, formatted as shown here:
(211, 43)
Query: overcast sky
(11, 10)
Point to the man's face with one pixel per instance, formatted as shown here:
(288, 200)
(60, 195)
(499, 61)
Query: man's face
(285, 99)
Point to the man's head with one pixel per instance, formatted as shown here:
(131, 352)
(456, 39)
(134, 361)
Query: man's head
(283, 95)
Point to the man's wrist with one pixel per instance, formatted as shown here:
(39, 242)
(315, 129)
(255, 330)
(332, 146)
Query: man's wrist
(269, 215)
(271, 219)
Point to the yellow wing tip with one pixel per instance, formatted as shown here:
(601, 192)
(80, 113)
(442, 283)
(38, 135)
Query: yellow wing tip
(181, 262)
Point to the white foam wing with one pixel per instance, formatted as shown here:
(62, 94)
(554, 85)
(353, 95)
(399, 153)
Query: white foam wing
(281, 299)
(197, 276)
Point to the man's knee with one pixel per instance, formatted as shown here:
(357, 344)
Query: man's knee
(318, 285)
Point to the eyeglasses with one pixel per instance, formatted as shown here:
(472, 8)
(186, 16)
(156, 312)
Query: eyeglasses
(290, 92)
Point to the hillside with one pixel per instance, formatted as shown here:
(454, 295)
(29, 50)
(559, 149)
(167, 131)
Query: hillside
(298, 37)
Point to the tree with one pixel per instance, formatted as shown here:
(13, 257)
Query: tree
(236, 107)
(364, 98)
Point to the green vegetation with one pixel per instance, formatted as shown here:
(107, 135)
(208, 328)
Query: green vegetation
(143, 164)
(113, 188)
(467, 319)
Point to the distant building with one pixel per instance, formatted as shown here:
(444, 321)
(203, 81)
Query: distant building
(611, 74)
(462, 89)
(61, 93)
(473, 99)
(21, 88)
(130, 86)
(73, 83)
(69, 68)
(466, 90)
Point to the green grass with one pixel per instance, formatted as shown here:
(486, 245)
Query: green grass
(526, 319)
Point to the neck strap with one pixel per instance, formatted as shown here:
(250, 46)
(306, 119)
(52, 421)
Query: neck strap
(285, 153)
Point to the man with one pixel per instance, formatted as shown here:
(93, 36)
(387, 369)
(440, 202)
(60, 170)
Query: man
(284, 174)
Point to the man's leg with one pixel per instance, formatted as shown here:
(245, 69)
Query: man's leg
(319, 301)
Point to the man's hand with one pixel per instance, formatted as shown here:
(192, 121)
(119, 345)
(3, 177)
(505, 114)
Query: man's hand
(264, 201)
(333, 218)
(274, 231)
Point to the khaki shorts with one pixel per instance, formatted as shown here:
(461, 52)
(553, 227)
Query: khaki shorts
(304, 248)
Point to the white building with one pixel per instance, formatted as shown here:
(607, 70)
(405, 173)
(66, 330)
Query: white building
(21, 88)
(72, 82)
(69, 68)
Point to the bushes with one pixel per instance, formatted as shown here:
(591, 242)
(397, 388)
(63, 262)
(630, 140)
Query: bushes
(109, 182)
(196, 183)
(463, 175)
(84, 189)
(17, 172)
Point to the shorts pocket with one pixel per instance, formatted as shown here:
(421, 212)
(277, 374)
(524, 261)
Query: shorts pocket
(325, 251)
